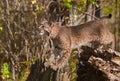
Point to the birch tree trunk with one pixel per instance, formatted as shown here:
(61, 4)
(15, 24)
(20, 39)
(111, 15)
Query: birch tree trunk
(89, 10)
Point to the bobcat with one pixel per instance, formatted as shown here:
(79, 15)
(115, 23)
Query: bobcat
(68, 38)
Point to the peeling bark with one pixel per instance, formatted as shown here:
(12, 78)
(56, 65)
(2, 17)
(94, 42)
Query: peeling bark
(107, 61)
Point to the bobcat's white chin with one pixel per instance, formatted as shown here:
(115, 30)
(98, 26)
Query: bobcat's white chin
(42, 33)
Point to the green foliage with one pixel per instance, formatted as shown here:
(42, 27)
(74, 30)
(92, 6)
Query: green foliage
(33, 1)
(41, 7)
(1, 28)
(107, 9)
(81, 5)
(117, 32)
(67, 3)
(5, 71)
(73, 63)
(24, 74)
(92, 1)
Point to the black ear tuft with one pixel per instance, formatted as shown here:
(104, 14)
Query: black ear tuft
(50, 23)
(110, 15)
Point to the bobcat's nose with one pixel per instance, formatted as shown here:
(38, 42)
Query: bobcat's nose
(40, 31)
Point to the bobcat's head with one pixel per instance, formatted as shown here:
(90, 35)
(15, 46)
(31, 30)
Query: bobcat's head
(45, 27)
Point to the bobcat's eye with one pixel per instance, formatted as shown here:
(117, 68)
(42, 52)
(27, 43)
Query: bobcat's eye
(41, 26)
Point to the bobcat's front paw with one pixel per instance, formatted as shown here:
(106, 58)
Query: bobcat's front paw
(54, 67)
(59, 65)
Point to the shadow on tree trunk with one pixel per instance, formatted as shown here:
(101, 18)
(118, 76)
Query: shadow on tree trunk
(39, 72)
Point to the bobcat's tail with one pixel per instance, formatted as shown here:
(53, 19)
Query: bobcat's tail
(107, 17)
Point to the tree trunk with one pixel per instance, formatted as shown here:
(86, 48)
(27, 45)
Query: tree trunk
(104, 65)
(97, 9)
(100, 65)
(89, 11)
(40, 73)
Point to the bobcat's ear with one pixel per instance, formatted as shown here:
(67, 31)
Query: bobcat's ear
(51, 24)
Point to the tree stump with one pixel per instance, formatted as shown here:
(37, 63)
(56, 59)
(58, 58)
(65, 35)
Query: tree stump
(93, 65)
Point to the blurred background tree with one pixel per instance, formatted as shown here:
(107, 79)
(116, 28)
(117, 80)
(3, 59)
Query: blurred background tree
(21, 45)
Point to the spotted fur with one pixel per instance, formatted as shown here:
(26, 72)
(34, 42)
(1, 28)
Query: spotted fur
(69, 38)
